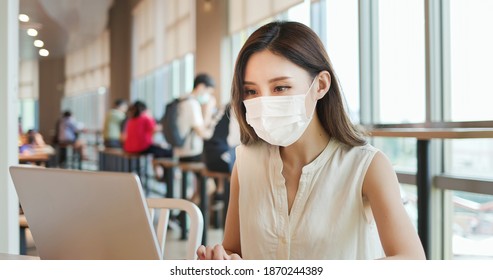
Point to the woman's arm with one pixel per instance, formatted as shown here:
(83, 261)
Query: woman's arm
(397, 234)
(231, 247)
(231, 240)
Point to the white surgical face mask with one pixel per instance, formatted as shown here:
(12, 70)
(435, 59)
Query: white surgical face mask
(203, 98)
(280, 120)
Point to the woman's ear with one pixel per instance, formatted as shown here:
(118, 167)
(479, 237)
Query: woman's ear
(324, 82)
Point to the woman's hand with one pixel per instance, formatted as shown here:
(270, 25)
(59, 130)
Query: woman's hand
(215, 253)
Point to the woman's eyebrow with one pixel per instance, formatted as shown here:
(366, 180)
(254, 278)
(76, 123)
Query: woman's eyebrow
(276, 79)
(279, 79)
(248, 83)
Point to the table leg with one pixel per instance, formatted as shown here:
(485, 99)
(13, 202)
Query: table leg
(22, 241)
(203, 205)
(183, 214)
(423, 182)
(226, 200)
(169, 174)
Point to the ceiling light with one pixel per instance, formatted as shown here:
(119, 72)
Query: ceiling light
(23, 18)
(38, 43)
(44, 52)
(32, 32)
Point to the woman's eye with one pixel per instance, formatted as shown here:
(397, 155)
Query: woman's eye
(249, 92)
(281, 88)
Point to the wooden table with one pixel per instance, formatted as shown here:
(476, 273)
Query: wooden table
(202, 174)
(38, 156)
(423, 175)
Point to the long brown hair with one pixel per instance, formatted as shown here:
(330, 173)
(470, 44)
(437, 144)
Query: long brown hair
(299, 44)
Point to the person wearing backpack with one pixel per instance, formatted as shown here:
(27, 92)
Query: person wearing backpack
(193, 120)
(187, 121)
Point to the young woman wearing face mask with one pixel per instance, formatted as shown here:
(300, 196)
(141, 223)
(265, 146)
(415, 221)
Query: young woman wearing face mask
(306, 185)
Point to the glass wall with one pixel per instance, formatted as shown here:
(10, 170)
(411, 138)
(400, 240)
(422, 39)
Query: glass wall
(159, 87)
(401, 61)
(467, 97)
(401, 152)
(472, 225)
(466, 157)
(88, 109)
(343, 48)
(28, 113)
(398, 81)
(471, 59)
(428, 62)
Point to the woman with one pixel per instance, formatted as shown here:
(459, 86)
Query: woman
(305, 184)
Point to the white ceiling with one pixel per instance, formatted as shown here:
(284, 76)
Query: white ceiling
(63, 25)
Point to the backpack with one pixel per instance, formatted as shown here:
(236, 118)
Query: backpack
(169, 122)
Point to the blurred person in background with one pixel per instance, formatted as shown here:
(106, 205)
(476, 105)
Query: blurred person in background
(68, 131)
(195, 118)
(139, 131)
(218, 154)
(112, 130)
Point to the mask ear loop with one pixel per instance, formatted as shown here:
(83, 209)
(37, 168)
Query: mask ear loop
(310, 100)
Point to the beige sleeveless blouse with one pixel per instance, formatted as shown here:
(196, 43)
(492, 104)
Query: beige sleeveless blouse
(329, 219)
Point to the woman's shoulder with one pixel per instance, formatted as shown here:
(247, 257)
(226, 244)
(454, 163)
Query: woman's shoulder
(256, 150)
(255, 147)
(366, 148)
(356, 152)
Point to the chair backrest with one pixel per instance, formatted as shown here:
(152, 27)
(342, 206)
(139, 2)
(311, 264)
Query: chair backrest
(165, 205)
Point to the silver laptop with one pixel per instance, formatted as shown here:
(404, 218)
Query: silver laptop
(77, 215)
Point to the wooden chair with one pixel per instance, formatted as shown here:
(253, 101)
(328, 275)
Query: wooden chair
(164, 206)
(68, 156)
(110, 159)
(222, 179)
(114, 159)
(195, 168)
(169, 165)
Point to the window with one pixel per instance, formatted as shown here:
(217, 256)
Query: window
(401, 152)
(88, 109)
(343, 49)
(188, 71)
(400, 81)
(299, 13)
(470, 60)
(28, 113)
(401, 50)
(466, 157)
(472, 225)
(318, 19)
(163, 84)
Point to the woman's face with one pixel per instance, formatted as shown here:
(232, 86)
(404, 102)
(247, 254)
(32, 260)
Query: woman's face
(268, 74)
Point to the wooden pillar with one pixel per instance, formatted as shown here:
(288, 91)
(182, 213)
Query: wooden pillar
(212, 47)
(51, 90)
